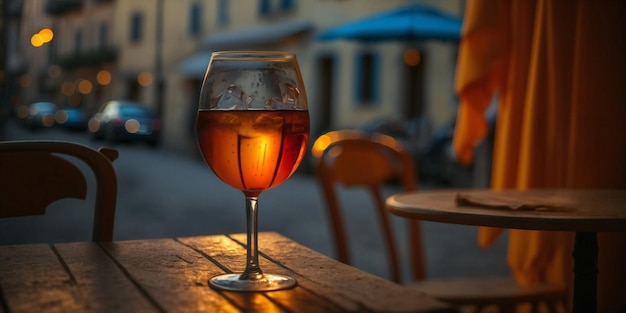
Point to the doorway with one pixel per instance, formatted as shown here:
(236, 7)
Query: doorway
(325, 93)
(413, 78)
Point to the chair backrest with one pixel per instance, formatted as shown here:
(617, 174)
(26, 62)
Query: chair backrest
(33, 174)
(357, 159)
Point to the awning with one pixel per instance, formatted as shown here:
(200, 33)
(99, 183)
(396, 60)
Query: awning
(264, 35)
(194, 65)
(406, 23)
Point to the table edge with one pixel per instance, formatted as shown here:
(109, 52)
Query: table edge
(513, 222)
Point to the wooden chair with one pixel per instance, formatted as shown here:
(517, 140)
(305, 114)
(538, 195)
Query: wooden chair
(355, 159)
(33, 174)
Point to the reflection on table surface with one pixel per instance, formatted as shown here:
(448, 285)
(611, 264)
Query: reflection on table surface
(170, 275)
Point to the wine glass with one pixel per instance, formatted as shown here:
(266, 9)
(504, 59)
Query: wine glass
(252, 130)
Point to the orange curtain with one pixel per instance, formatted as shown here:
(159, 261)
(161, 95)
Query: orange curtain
(557, 69)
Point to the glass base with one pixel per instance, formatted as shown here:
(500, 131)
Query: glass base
(269, 282)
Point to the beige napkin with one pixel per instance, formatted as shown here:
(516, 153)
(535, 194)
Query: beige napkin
(499, 201)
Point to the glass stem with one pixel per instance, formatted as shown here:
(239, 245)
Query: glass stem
(253, 270)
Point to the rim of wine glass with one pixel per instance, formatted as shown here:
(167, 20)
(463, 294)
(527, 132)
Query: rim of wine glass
(253, 55)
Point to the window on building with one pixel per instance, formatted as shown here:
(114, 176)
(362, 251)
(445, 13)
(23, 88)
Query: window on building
(265, 7)
(272, 7)
(366, 78)
(287, 5)
(222, 12)
(195, 19)
(78, 41)
(103, 36)
(136, 25)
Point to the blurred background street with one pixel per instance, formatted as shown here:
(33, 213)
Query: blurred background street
(64, 62)
(165, 193)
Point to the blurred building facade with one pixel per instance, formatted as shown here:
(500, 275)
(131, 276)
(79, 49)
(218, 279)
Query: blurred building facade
(156, 52)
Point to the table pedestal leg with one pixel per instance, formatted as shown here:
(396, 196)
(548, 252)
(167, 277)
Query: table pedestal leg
(585, 272)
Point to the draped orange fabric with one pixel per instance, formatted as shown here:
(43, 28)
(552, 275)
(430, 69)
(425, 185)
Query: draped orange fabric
(557, 69)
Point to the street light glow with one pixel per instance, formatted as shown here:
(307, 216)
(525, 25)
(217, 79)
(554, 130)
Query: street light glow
(36, 41)
(46, 35)
(144, 79)
(104, 77)
(85, 87)
(412, 57)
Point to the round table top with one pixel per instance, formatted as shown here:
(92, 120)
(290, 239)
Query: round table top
(580, 210)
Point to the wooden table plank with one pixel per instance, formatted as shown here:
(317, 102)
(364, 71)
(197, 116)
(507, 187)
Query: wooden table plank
(166, 269)
(311, 270)
(389, 296)
(103, 286)
(232, 255)
(33, 280)
(171, 275)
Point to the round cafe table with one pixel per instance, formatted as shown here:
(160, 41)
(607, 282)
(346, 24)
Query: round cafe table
(583, 211)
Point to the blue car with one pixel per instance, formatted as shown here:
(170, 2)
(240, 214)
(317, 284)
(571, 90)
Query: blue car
(73, 118)
(125, 121)
(40, 115)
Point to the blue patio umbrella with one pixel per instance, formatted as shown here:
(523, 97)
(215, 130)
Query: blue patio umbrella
(407, 23)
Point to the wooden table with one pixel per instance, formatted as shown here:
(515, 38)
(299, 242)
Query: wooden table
(170, 275)
(585, 212)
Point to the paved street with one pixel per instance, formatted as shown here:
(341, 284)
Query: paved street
(166, 193)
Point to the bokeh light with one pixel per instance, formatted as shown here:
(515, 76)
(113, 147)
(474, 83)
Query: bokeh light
(85, 86)
(36, 40)
(103, 78)
(46, 35)
(132, 126)
(54, 71)
(93, 125)
(47, 120)
(68, 88)
(412, 57)
(24, 81)
(144, 79)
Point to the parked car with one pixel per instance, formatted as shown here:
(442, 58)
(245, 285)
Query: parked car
(73, 118)
(128, 121)
(40, 115)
